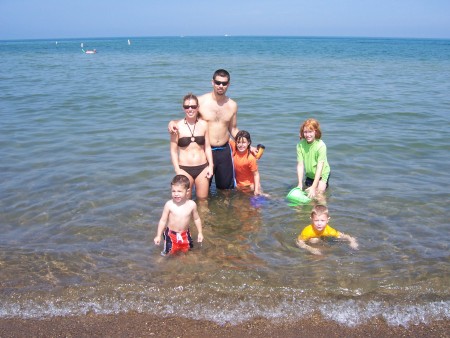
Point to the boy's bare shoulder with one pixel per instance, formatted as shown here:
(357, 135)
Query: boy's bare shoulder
(191, 204)
(168, 204)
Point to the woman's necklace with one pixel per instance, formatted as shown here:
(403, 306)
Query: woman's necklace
(192, 131)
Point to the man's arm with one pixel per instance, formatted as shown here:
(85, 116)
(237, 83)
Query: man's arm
(172, 127)
(174, 151)
(232, 127)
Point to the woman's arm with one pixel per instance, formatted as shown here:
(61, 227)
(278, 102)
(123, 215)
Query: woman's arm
(208, 153)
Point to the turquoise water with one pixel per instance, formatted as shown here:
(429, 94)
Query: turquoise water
(85, 171)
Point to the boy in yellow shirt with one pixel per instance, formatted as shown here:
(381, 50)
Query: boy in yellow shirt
(320, 228)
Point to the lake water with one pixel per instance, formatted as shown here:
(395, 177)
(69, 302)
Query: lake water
(85, 172)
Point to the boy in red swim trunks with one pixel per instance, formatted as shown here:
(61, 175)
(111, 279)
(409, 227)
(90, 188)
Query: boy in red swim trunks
(176, 215)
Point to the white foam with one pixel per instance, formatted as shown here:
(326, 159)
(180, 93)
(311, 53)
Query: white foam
(226, 306)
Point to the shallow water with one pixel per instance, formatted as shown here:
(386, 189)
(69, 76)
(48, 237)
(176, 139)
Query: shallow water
(86, 171)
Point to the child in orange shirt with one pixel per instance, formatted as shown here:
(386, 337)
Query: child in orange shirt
(245, 165)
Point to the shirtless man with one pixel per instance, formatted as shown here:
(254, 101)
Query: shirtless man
(220, 112)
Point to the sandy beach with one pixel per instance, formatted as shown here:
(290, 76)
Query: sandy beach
(143, 325)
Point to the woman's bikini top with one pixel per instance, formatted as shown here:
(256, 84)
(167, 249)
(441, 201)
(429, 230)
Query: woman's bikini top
(185, 141)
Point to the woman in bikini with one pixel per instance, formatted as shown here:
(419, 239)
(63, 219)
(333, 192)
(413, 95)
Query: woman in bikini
(190, 149)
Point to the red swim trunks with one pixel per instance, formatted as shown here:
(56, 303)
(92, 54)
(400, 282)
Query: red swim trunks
(176, 241)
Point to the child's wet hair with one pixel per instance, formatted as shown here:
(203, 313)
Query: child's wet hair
(311, 124)
(244, 134)
(319, 210)
(181, 180)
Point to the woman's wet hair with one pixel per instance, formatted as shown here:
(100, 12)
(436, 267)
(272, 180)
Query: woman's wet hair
(189, 97)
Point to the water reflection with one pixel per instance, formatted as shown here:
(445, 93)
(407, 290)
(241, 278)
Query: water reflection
(231, 224)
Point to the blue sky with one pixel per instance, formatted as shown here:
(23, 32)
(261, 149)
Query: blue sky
(56, 19)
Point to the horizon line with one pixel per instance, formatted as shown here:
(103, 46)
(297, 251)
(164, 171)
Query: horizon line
(227, 36)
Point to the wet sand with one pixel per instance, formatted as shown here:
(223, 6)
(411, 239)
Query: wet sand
(143, 325)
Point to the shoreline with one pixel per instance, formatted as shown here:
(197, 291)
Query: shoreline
(146, 325)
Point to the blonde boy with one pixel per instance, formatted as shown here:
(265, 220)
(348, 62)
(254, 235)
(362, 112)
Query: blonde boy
(320, 228)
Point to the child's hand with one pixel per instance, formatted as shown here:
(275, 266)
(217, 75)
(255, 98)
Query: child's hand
(157, 240)
(311, 192)
(315, 251)
(303, 245)
(200, 238)
(353, 244)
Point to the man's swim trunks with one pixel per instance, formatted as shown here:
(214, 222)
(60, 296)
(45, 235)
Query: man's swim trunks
(176, 241)
(223, 167)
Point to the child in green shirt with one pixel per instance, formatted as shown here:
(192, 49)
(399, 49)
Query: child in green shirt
(312, 160)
